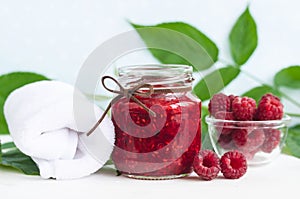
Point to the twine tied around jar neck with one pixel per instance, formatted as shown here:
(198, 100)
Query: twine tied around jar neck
(142, 89)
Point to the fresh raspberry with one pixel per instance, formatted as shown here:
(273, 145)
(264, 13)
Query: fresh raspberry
(248, 142)
(243, 108)
(219, 102)
(233, 165)
(231, 98)
(207, 165)
(224, 127)
(272, 140)
(255, 139)
(239, 137)
(225, 141)
(223, 115)
(269, 108)
(250, 154)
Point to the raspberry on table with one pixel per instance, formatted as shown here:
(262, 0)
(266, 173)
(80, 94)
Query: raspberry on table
(224, 127)
(219, 102)
(243, 108)
(233, 165)
(272, 140)
(269, 108)
(207, 165)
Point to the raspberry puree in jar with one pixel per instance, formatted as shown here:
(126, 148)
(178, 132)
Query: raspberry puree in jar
(160, 146)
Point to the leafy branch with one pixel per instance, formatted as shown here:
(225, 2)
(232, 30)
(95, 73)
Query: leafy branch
(243, 40)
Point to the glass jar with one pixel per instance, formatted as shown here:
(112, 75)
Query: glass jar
(160, 146)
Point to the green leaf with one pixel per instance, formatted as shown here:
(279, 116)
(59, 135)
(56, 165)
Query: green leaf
(13, 157)
(9, 83)
(179, 43)
(3, 124)
(8, 145)
(109, 162)
(243, 38)
(204, 113)
(215, 82)
(205, 140)
(0, 152)
(98, 97)
(288, 77)
(293, 142)
(257, 92)
(18, 160)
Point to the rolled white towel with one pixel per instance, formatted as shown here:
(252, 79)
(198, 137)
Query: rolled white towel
(48, 121)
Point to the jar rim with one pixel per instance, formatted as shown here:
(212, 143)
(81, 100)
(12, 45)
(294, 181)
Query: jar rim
(170, 69)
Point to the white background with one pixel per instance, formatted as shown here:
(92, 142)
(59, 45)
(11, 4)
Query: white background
(55, 37)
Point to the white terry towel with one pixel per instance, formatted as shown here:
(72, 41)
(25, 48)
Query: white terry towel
(48, 121)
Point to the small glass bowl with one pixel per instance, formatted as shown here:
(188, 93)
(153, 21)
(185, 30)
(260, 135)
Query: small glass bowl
(259, 141)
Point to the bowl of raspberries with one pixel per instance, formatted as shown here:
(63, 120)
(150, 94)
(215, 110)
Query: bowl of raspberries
(256, 129)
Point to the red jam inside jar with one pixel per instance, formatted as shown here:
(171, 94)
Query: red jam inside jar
(161, 146)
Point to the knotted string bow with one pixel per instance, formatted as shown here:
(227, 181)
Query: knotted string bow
(142, 89)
